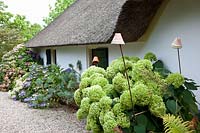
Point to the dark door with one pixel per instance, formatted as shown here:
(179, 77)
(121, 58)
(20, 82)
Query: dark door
(102, 54)
(48, 55)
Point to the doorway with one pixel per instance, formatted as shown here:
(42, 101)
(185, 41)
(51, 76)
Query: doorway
(102, 54)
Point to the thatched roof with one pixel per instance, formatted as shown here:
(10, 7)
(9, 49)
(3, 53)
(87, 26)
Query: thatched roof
(96, 21)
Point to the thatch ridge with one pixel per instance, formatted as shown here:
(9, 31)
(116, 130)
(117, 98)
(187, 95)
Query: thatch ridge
(96, 21)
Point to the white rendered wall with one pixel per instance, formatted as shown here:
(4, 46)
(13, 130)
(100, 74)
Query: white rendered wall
(67, 55)
(70, 55)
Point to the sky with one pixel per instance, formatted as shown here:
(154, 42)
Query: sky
(34, 10)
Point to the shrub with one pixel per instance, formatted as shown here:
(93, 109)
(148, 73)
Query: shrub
(155, 92)
(46, 86)
(15, 64)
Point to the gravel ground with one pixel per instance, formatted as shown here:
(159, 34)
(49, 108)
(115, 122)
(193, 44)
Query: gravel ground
(16, 117)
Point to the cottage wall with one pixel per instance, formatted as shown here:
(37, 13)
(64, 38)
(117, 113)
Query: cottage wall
(70, 55)
(66, 55)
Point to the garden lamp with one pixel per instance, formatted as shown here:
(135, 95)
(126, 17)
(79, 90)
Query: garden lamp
(176, 44)
(117, 39)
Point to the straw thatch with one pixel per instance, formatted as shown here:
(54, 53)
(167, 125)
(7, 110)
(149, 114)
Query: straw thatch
(96, 21)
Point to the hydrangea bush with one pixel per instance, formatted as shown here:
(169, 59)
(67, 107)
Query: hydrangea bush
(15, 64)
(104, 98)
(45, 86)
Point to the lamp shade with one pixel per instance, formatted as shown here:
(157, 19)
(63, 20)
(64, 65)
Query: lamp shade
(117, 39)
(177, 44)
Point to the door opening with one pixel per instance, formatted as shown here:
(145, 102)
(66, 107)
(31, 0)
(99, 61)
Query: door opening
(102, 54)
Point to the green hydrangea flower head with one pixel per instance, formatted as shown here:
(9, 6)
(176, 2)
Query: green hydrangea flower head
(109, 122)
(108, 126)
(175, 79)
(94, 110)
(139, 68)
(85, 74)
(85, 104)
(120, 83)
(155, 88)
(81, 114)
(84, 108)
(95, 75)
(105, 103)
(96, 93)
(109, 115)
(101, 116)
(150, 56)
(115, 65)
(92, 124)
(125, 100)
(110, 72)
(100, 81)
(77, 97)
(85, 82)
(117, 109)
(85, 92)
(129, 65)
(92, 70)
(142, 94)
(123, 120)
(87, 127)
(144, 64)
(157, 106)
(109, 90)
(134, 59)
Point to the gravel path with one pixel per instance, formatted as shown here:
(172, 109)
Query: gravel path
(16, 117)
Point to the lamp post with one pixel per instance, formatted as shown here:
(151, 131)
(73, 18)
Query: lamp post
(176, 44)
(118, 40)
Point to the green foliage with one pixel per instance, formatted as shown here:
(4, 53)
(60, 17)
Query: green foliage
(46, 86)
(175, 124)
(24, 27)
(1, 77)
(178, 97)
(15, 63)
(59, 7)
(8, 39)
(155, 91)
(159, 67)
(175, 79)
(14, 29)
(150, 56)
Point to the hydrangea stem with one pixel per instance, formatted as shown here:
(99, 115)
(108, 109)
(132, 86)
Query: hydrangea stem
(129, 87)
